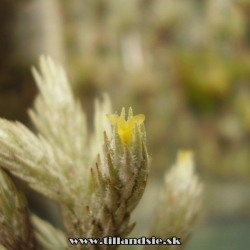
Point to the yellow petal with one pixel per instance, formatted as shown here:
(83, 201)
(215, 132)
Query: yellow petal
(130, 124)
(122, 124)
(113, 118)
(139, 119)
(125, 129)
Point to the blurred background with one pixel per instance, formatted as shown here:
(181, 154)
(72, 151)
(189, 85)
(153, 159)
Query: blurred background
(184, 64)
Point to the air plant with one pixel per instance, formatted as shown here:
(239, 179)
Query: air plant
(97, 178)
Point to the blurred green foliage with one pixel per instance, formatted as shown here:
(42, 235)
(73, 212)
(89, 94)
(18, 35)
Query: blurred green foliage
(185, 63)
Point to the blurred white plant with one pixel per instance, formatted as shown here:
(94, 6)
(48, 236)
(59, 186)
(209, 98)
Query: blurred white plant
(180, 201)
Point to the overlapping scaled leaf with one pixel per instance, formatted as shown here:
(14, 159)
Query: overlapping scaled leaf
(16, 231)
(48, 237)
(33, 159)
(57, 115)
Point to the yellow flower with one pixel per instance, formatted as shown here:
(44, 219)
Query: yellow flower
(125, 128)
(183, 170)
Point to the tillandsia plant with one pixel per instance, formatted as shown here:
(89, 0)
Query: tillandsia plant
(97, 179)
(180, 201)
